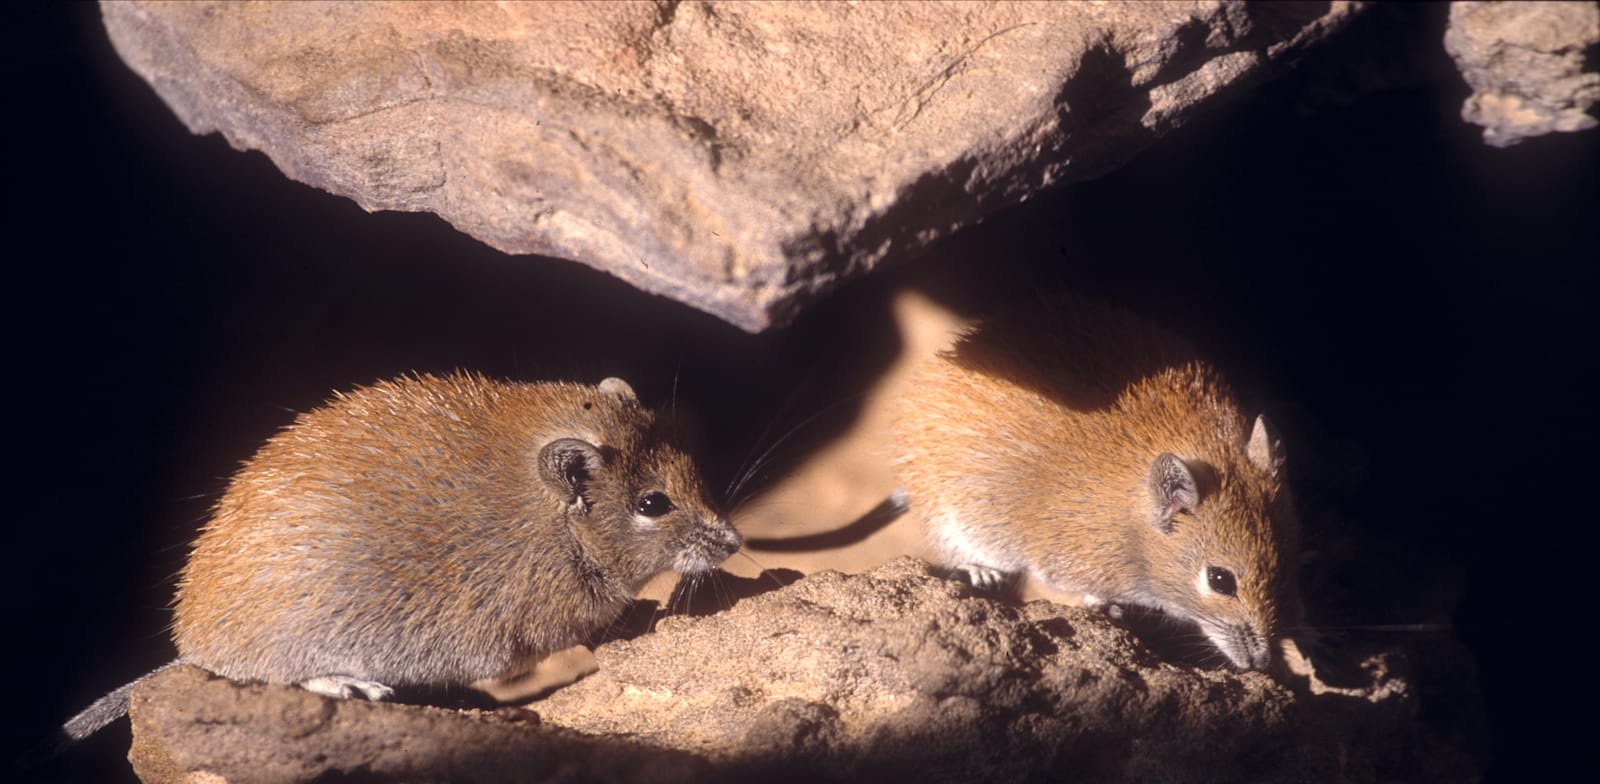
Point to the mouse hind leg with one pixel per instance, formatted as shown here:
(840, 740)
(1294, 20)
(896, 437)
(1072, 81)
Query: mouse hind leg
(344, 687)
(986, 566)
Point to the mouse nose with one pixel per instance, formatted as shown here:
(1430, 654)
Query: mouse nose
(728, 537)
(1253, 651)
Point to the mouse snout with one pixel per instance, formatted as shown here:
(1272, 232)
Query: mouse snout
(1245, 646)
(708, 544)
(725, 537)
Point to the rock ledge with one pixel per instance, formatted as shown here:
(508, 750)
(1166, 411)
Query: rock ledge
(893, 672)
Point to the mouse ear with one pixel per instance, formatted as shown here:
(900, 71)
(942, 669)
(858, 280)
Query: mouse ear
(618, 387)
(1264, 449)
(1172, 488)
(566, 465)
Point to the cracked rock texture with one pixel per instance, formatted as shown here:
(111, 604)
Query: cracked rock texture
(893, 674)
(1525, 63)
(742, 158)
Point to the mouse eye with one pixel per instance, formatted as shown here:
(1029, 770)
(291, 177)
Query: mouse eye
(1221, 581)
(653, 504)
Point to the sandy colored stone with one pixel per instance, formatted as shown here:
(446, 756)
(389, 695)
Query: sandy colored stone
(1525, 63)
(191, 726)
(892, 674)
(900, 673)
(743, 158)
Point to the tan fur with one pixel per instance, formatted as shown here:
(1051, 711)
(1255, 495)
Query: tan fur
(1028, 448)
(403, 534)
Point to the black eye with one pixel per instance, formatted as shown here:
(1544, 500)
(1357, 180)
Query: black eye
(1221, 580)
(653, 504)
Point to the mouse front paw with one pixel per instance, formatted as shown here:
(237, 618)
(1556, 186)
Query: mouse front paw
(983, 578)
(344, 687)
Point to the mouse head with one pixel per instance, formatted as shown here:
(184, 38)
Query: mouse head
(636, 502)
(1221, 541)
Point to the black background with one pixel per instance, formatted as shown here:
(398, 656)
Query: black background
(1415, 307)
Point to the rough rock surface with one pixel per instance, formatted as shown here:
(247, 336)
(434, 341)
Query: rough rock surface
(743, 158)
(893, 673)
(1525, 64)
(194, 727)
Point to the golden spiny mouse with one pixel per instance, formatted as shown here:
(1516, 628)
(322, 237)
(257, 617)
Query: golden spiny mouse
(1081, 446)
(436, 531)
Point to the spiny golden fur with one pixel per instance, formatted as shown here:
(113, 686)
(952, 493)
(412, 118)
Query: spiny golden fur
(402, 533)
(433, 531)
(1029, 446)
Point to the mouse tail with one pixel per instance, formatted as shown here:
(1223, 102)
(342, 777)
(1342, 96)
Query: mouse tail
(87, 722)
(101, 712)
(887, 511)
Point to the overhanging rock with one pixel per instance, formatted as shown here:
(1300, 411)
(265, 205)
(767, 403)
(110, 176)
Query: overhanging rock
(1526, 64)
(741, 158)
